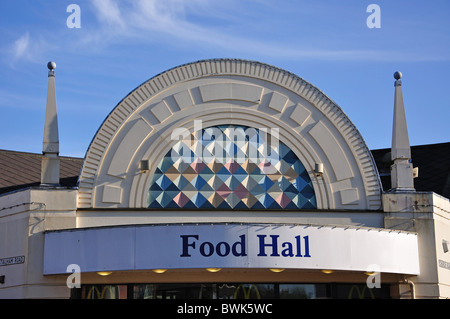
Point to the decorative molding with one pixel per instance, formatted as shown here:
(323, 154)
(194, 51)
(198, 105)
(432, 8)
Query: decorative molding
(226, 91)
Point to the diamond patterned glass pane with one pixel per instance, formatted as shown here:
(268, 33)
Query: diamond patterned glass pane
(231, 167)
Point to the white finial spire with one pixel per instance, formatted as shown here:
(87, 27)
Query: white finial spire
(50, 146)
(402, 169)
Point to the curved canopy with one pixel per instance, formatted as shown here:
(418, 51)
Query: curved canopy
(140, 247)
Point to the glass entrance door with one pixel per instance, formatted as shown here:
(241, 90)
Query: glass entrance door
(175, 291)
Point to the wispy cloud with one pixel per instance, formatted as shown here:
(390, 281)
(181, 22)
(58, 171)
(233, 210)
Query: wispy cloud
(186, 22)
(204, 24)
(20, 48)
(137, 18)
(108, 12)
(169, 18)
(28, 48)
(178, 21)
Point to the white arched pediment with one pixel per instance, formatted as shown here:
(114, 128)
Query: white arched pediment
(218, 92)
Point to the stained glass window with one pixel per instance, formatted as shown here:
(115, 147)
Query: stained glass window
(231, 167)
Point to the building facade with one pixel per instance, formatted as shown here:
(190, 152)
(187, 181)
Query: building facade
(225, 179)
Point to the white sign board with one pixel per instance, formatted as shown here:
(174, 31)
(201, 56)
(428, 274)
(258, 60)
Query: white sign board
(231, 246)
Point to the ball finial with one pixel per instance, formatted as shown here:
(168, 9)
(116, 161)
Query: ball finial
(398, 75)
(51, 65)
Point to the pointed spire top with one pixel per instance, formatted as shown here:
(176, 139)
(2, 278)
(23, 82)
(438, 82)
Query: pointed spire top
(401, 170)
(50, 145)
(400, 139)
(398, 76)
(51, 139)
(51, 66)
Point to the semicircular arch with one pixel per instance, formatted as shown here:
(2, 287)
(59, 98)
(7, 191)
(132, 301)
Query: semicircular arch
(226, 91)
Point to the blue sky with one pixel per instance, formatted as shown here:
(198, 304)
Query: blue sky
(123, 43)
